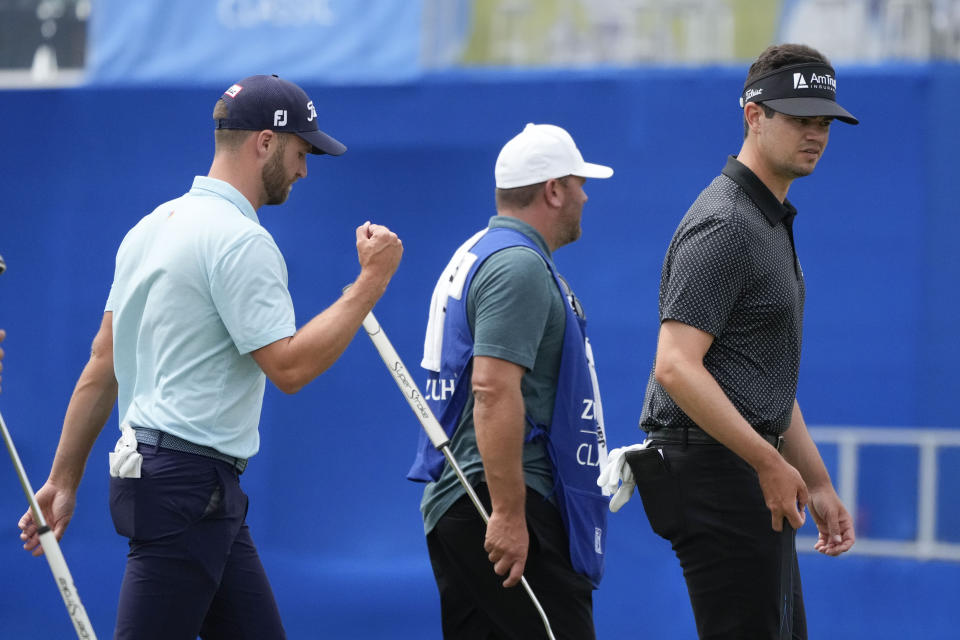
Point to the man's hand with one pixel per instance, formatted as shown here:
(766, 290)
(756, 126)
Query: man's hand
(506, 544)
(292, 362)
(784, 492)
(57, 506)
(379, 251)
(833, 522)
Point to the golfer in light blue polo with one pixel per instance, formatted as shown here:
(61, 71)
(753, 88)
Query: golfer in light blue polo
(198, 317)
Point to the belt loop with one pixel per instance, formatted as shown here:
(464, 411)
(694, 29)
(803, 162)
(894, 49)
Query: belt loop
(686, 437)
(779, 444)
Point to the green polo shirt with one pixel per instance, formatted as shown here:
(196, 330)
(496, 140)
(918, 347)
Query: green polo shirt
(516, 313)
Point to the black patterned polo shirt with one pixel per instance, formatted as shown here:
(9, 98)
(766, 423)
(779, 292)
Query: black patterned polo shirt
(731, 270)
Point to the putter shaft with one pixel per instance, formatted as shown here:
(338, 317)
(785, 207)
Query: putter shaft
(51, 549)
(435, 432)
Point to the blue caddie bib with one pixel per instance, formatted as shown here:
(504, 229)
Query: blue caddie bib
(575, 439)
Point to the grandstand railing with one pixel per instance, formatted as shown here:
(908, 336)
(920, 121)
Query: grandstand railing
(928, 442)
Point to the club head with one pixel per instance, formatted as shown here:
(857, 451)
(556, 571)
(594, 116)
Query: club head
(3, 265)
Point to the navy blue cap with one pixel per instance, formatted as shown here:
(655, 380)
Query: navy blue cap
(269, 102)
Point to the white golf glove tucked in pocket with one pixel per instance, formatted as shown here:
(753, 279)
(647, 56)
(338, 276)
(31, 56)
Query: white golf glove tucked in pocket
(616, 478)
(124, 459)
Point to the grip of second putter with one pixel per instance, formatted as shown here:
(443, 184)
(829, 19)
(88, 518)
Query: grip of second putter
(405, 381)
(68, 591)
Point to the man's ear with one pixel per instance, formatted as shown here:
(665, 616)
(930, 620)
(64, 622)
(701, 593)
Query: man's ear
(264, 142)
(753, 112)
(552, 192)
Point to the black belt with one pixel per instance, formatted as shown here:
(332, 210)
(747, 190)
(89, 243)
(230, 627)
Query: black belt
(166, 440)
(695, 435)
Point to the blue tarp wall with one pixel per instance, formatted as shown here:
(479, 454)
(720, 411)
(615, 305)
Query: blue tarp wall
(337, 523)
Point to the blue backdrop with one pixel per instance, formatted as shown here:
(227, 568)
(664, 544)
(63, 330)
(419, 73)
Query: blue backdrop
(336, 522)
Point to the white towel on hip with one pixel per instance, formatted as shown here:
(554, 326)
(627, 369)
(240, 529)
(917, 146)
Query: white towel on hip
(125, 461)
(449, 285)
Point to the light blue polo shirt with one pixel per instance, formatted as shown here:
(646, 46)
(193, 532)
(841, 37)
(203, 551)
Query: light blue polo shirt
(199, 284)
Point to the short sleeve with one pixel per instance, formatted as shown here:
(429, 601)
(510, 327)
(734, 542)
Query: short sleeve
(111, 301)
(249, 289)
(118, 276)
(511, 295)
(707, 269)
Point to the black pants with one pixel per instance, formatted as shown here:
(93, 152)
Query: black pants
(474, 605)
(742, 576)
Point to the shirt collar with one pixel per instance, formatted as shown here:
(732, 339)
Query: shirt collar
(772, 209)
(204, 185)
(517, 224)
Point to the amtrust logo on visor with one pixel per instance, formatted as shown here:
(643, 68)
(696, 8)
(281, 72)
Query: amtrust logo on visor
(822, 81)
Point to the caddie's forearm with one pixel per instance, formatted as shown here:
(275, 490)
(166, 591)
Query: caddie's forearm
(89, 409)
(801, 452)
(699, 395)
(499, 425)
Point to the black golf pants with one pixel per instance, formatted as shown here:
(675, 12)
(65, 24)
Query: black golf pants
(473, 601)
(742, 576)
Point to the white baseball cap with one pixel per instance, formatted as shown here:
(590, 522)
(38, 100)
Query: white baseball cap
(541, 152)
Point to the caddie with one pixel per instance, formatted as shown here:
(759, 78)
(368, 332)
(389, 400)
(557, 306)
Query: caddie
(510, 380)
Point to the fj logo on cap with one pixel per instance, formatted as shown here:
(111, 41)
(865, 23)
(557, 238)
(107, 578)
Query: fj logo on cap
(279, 117)
(313, 112)
(233, 91)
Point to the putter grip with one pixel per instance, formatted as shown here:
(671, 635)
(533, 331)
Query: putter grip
(405, 381)
(61, 574)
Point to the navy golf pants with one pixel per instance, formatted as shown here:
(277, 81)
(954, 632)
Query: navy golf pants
(192, 568)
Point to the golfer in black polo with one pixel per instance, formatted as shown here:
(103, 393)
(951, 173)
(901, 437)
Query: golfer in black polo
(732, 464)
